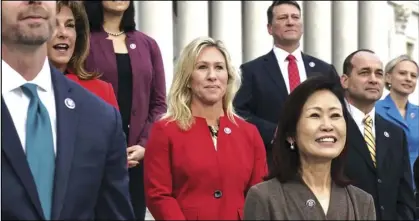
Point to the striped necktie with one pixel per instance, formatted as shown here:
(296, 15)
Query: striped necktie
(40, 148)
(369, 138)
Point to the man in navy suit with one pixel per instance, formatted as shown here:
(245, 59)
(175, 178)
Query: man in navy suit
(377, 157)
(63, 150)
(269, 79)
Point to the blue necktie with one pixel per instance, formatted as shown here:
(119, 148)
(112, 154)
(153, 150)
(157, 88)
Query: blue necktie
(40, 148)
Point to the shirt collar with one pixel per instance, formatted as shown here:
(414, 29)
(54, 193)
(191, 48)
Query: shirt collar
(282, 55)
(359, 116)
(15, 80)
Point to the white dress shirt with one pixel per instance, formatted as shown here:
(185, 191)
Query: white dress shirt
(359, 117)
(18, 103)
(281, 56)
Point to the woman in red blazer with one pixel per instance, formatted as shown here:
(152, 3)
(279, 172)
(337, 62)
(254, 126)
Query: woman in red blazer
(68, 49)
(201, 159)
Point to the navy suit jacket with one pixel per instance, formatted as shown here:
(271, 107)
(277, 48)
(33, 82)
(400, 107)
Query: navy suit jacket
(91, 175)
(260, 98)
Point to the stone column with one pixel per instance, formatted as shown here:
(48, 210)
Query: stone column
(192, 21)
(398, 42)
(256, 39)
(301, 3)
(344, 31)
(373, 27)
(226, 19)
(154, 18)
(318, 27)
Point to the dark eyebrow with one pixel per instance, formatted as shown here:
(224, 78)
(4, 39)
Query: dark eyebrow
(319, 109)
(369, 69)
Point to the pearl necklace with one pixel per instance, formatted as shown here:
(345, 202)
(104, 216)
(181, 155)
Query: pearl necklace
(115, 34)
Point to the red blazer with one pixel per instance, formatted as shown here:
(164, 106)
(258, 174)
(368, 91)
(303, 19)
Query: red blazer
(98, 87)
(186, 178)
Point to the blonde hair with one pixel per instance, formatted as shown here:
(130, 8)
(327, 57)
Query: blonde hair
(180, 96)
(393, 63)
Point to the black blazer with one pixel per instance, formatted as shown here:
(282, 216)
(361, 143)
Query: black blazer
(416, 180)
(263, 91)
(389, 183)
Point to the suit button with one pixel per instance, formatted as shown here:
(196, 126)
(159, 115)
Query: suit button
(218, 194)
(381, 207)
(134, 112)
(379, 181)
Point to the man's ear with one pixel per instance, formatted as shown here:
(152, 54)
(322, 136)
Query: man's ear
(344, 81)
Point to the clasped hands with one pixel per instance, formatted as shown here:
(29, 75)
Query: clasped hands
(135, 154)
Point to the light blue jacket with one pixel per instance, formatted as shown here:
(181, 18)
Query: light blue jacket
(410, 124)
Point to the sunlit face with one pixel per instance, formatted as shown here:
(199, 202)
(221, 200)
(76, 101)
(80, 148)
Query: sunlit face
(287, 24)
(209, 77)
(62, 44)
(366, 81)
(321, 129)
(403, 78)
(115, 7)
(27, 23)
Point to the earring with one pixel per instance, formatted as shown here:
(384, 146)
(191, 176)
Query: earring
(292, 146)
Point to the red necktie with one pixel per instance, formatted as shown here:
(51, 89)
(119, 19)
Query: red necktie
(293, 75)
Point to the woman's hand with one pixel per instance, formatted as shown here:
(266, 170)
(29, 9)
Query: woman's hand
(135, 154)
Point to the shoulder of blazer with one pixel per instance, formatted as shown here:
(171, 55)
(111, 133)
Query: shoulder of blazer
(265, 188)
(315, 60)
(389, 126)
(259, 60)
(143, 38)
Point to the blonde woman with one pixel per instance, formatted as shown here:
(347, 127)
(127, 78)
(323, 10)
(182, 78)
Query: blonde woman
(201, 159)
(400, 79)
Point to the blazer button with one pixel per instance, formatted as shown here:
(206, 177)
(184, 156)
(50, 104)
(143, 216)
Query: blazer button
(134, 112)
(218, 194)
(381, 207)
(379, 181)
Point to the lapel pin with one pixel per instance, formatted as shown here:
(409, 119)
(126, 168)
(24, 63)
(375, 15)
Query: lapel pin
(227, 130)
(310, 203)
(311, 64)
(412, 115)
(386, 134)
(69, 103)
(132, 46)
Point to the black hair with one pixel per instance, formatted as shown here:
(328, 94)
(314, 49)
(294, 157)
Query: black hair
(94, 11)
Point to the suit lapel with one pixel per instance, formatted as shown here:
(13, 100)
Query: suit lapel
(13, 150)
(393, 112)
(381, 139)
(309, 65)
(272, 67)
(357, 142)
(67, 120)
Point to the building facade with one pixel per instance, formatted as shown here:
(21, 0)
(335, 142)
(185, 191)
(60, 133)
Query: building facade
(331, 29)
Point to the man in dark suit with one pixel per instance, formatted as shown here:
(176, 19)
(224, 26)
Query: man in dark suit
(63, 150)
(377, 156)
(416, 180)
(268, 79)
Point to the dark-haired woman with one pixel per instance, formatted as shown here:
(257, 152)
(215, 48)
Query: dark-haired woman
(131, 61)
(69, 46)
(307, 181)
